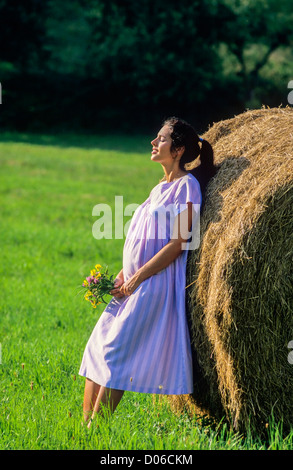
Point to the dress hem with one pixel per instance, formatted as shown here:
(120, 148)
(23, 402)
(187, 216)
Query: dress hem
(133, 388)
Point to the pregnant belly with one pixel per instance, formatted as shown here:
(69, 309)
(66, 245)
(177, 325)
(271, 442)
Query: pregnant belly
(137, 252)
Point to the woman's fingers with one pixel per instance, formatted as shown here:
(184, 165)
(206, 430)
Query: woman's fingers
(117, 288)
(115, 291)
(117, 284)
(122, 288)
(128, 287)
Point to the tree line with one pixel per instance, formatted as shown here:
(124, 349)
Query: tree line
(97, 64)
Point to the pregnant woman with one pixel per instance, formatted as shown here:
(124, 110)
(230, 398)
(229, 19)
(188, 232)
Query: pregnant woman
(141, 342)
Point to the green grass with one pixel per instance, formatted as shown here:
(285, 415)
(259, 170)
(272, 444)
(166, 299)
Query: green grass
(49, 186)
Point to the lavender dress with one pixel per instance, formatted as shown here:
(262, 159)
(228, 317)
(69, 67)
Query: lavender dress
(141, 342)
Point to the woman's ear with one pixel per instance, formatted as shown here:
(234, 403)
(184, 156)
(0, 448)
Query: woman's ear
(179, 152)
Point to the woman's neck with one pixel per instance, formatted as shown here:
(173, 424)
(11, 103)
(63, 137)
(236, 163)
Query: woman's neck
(172, 174)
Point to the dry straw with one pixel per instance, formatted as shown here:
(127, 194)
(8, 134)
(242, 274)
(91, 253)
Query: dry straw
(240, 299)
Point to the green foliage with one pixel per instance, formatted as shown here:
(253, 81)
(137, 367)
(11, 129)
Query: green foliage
(98, 64)
(258, 35)
(22, 33)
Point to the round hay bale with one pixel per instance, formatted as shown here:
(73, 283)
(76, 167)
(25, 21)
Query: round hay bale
(240, 301)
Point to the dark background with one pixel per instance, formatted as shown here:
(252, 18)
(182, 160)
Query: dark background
(122, 66)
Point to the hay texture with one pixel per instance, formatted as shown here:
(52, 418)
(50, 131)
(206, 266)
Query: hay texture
(240, 303)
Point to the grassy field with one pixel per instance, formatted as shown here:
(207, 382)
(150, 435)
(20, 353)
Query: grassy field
(49, 186)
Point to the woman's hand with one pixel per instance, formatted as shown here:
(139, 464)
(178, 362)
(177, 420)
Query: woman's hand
(121, 288)
(118, 282)
(130, 285)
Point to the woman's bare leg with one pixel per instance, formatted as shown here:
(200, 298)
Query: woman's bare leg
(108, 398)
(91, 392)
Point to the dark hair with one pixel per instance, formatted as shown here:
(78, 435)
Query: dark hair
(184, 135)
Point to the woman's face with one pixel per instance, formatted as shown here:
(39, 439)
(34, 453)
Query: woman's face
(162, 146)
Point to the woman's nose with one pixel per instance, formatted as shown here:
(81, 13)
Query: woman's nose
(153, 142)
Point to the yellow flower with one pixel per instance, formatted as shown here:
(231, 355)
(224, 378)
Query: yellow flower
(98, 266)
(85, 283)
(93, 272)
(88, 295)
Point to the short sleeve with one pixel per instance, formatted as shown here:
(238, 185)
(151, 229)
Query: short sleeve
(188, 191)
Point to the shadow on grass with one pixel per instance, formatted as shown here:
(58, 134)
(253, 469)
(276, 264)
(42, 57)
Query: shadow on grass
(117, 142)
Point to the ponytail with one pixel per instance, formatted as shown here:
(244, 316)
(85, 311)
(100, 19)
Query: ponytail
(206, 170)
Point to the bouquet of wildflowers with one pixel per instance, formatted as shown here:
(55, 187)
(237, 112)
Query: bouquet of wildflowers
(98, 284)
